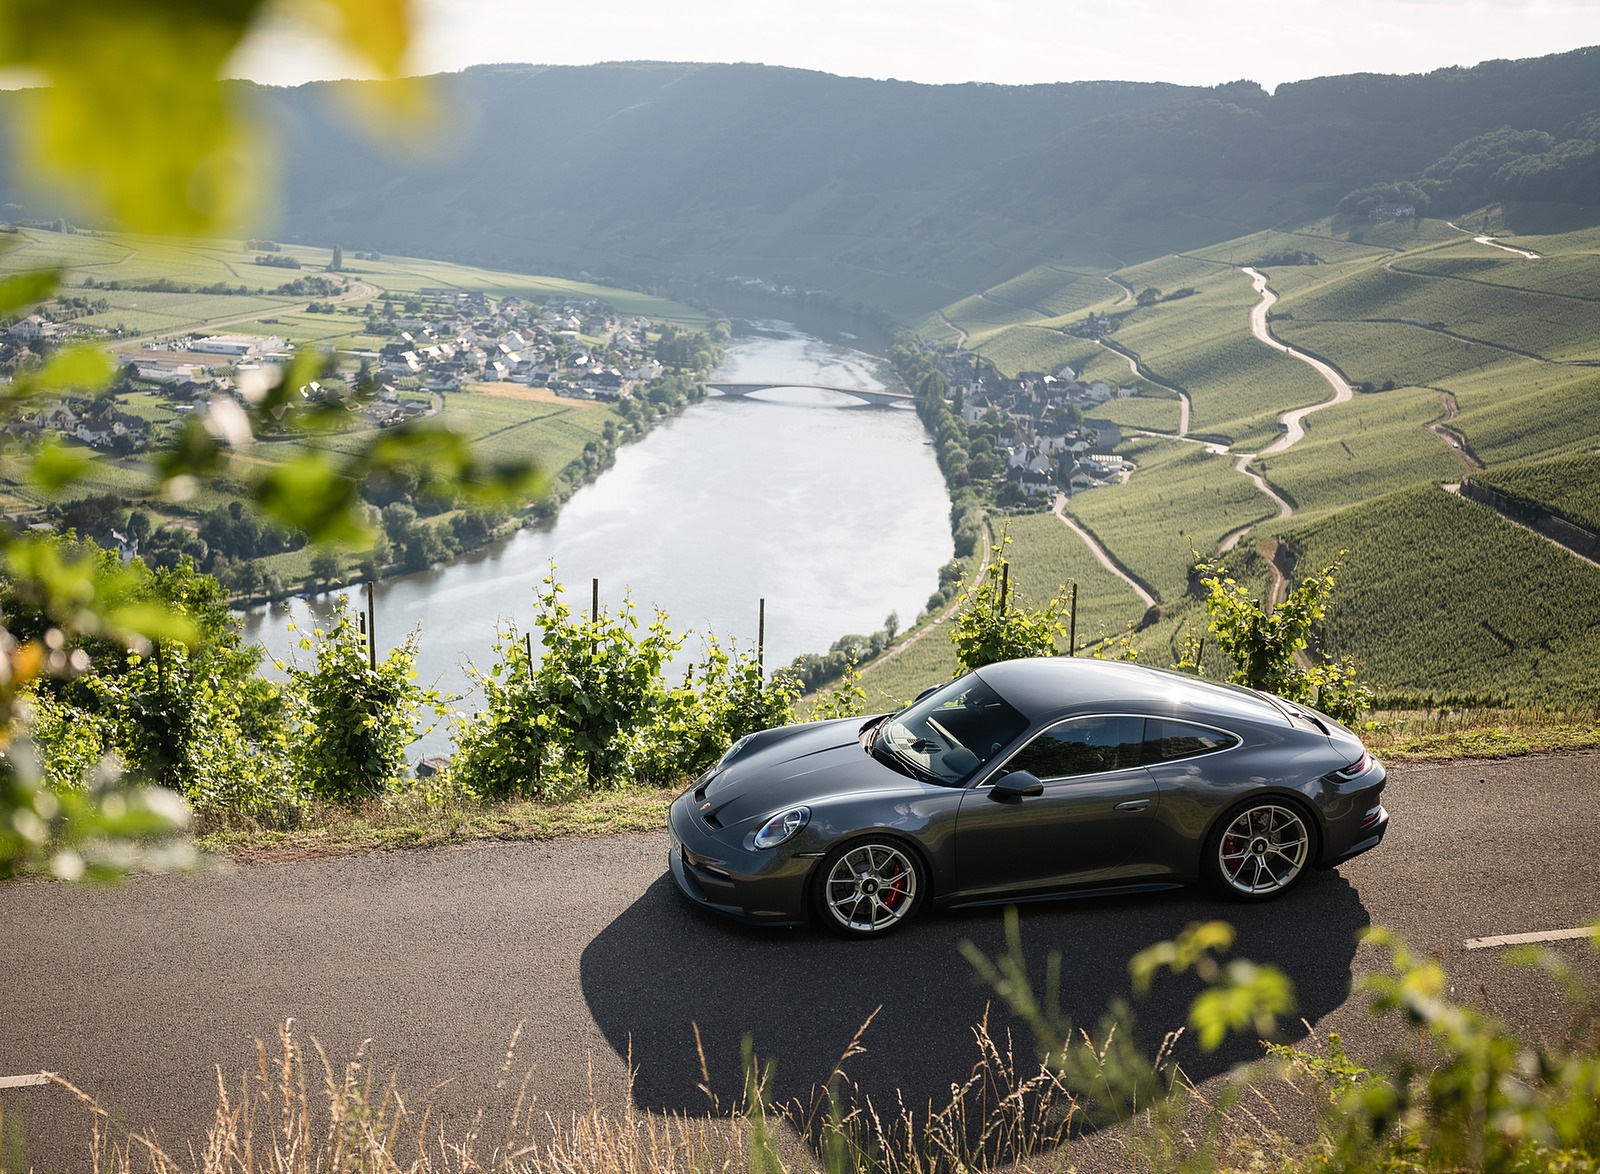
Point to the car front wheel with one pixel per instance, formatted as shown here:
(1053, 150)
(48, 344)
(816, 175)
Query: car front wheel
(869, 887)
(1260, 850)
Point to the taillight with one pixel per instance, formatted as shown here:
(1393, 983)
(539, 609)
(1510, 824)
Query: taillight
(1357, 768)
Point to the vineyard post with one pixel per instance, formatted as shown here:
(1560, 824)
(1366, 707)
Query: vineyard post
(1072, 622)
(372, 631)
(761, 636)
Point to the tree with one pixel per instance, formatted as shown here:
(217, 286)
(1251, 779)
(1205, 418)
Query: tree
(338, 260)
(1148, 297)
(325, 567)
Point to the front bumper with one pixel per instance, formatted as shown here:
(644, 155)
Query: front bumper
(764, 888)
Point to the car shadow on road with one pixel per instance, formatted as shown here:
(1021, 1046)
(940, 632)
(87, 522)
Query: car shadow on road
(664, 968)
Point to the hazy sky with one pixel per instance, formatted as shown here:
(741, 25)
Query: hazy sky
(1197, 42)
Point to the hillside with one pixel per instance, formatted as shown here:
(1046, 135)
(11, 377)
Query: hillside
(1470, 354)
(898, 194)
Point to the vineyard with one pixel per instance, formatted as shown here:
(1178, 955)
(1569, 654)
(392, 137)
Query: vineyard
(1565, 486)
(1054, 291)
(1397, 352)
(1370, 447)
(1153, 409)
(1181, 499)
(1443, 599)
(1530, 412)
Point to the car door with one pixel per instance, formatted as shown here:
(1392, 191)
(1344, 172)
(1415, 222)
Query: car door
(1097, 804)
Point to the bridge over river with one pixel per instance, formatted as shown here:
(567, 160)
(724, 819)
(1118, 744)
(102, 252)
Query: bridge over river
(868, 396)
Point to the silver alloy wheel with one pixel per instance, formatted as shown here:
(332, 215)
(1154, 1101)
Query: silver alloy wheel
(871, 888)
(1263, 850)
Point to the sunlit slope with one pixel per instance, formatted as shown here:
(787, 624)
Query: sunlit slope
(132, 260)
(1468, 360)
(1182, 499)
(1568, 487)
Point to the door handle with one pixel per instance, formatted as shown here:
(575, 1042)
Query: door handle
(1132, 805)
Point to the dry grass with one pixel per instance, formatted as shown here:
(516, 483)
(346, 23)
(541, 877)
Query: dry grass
(297, 1112)
(1444, 734)
(421, 822)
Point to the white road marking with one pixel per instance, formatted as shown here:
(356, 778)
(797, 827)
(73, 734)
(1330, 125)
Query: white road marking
(1523, 939)
(24, 1081)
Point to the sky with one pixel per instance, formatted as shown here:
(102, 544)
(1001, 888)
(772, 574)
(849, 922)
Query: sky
(1193, 42)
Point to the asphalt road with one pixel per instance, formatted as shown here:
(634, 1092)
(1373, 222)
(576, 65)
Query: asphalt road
(138, 994)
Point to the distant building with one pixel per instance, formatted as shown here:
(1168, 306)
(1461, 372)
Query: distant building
(1394, 211)
(237, 346)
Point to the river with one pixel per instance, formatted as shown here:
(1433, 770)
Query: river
(833, 513)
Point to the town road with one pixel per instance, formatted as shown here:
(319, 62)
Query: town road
(141, 994)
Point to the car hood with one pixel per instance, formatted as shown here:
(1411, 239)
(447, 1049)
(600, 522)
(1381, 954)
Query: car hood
(791, 766)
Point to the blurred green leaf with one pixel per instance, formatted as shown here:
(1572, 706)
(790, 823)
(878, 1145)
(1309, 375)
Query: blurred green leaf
(26, 289)
(89, 593)
(194, 452)
(307, 493)
(56, 466)
(136, 121)
(75, 368)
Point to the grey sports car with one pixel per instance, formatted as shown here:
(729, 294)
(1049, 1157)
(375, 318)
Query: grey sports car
(1025, 780)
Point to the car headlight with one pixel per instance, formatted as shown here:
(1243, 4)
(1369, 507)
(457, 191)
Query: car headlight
(781, 826)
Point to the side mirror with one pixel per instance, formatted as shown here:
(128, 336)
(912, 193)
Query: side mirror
(1017, 785)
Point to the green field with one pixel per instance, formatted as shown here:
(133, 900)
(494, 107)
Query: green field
(132, 259)
(1514, 343)
(1372, 446)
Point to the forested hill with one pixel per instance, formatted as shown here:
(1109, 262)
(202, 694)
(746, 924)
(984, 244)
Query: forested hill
(906, 195)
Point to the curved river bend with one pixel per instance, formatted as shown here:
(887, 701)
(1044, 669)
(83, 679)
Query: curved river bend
(834, 513)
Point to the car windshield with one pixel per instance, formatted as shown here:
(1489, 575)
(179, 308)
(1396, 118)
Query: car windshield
(948, 734)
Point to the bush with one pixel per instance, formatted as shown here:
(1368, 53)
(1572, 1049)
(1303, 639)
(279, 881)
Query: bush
(351, 721)
(995, 623)
(1263, 645)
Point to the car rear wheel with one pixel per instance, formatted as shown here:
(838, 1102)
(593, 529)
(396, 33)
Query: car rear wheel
(869, 887)
(1260, 850)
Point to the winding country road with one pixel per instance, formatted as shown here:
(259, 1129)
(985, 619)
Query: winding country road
(143, 993)
(1293, 421)
(1102, 556)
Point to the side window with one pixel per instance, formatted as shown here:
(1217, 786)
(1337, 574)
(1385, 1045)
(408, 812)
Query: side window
(1082, 746)
(1165, 741)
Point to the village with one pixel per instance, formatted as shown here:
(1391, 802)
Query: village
(442, 340)
(1030, 432)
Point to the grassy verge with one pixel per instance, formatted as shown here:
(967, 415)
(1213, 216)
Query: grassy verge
(1442, 735)
(413, 823)
(1397, 737)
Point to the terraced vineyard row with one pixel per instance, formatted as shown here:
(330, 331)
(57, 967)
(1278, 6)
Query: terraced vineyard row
(1372, 446)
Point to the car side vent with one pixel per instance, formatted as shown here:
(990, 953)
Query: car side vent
(711, 820)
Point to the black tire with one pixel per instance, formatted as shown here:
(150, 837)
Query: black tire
(869, 887)
(1260, 849)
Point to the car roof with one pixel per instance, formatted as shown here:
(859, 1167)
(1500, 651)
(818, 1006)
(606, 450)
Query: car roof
(1044, 687)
